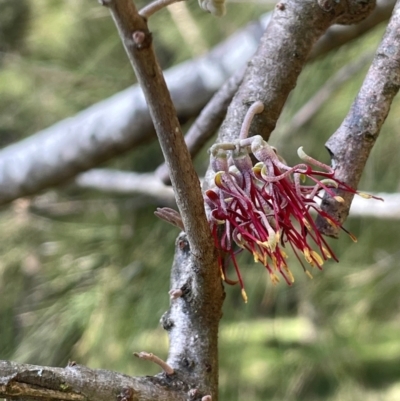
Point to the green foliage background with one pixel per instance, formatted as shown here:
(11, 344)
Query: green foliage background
(84, 275)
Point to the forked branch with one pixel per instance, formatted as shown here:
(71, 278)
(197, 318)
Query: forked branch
(352, 143)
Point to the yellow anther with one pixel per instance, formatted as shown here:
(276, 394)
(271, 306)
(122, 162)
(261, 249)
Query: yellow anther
(274, 278)
(274, 262)
(283, 263)
(364, 195)
(256, 257)
(244, 296)
(283, 253)
(326, 253)
(258, 167)
(270, 245)
(307, 224)
(331, 222)
(289, 273)
(309, 274)
(307, 255)
(353, 237)
(218, 178)
(317, 258)
(339, 198)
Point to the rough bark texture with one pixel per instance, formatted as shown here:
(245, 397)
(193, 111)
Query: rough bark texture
(273, 71)
(351, 144)
(79, 383)
(192, 325)
(337, 35)
(283, 51)
(194, 321)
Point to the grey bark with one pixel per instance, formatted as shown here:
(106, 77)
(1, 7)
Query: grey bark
(120, 123)
(79, 383)
(352, 143)
(192, 320)
(192, 325)
(273, 71)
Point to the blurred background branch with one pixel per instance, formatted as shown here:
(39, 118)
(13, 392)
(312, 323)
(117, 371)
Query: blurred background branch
(122, 122)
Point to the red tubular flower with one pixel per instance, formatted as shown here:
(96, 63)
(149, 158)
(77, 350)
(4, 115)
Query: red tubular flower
(263, 207)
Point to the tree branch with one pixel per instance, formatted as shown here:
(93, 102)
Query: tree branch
(155, 359)
(117, 124)
(194, 331)
(338, 35)
(137, 41)
(352, 143)
(272, 72)
(78, 383)
(120, 123)
(208, 121)
(123, 182)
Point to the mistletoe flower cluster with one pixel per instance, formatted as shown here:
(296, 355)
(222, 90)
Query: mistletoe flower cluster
(261, 207)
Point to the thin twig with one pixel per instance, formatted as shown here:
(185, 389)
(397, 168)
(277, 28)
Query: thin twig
(137, 41)
(153, 358)
(155, 6)
(208, 121)
(170, 216)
